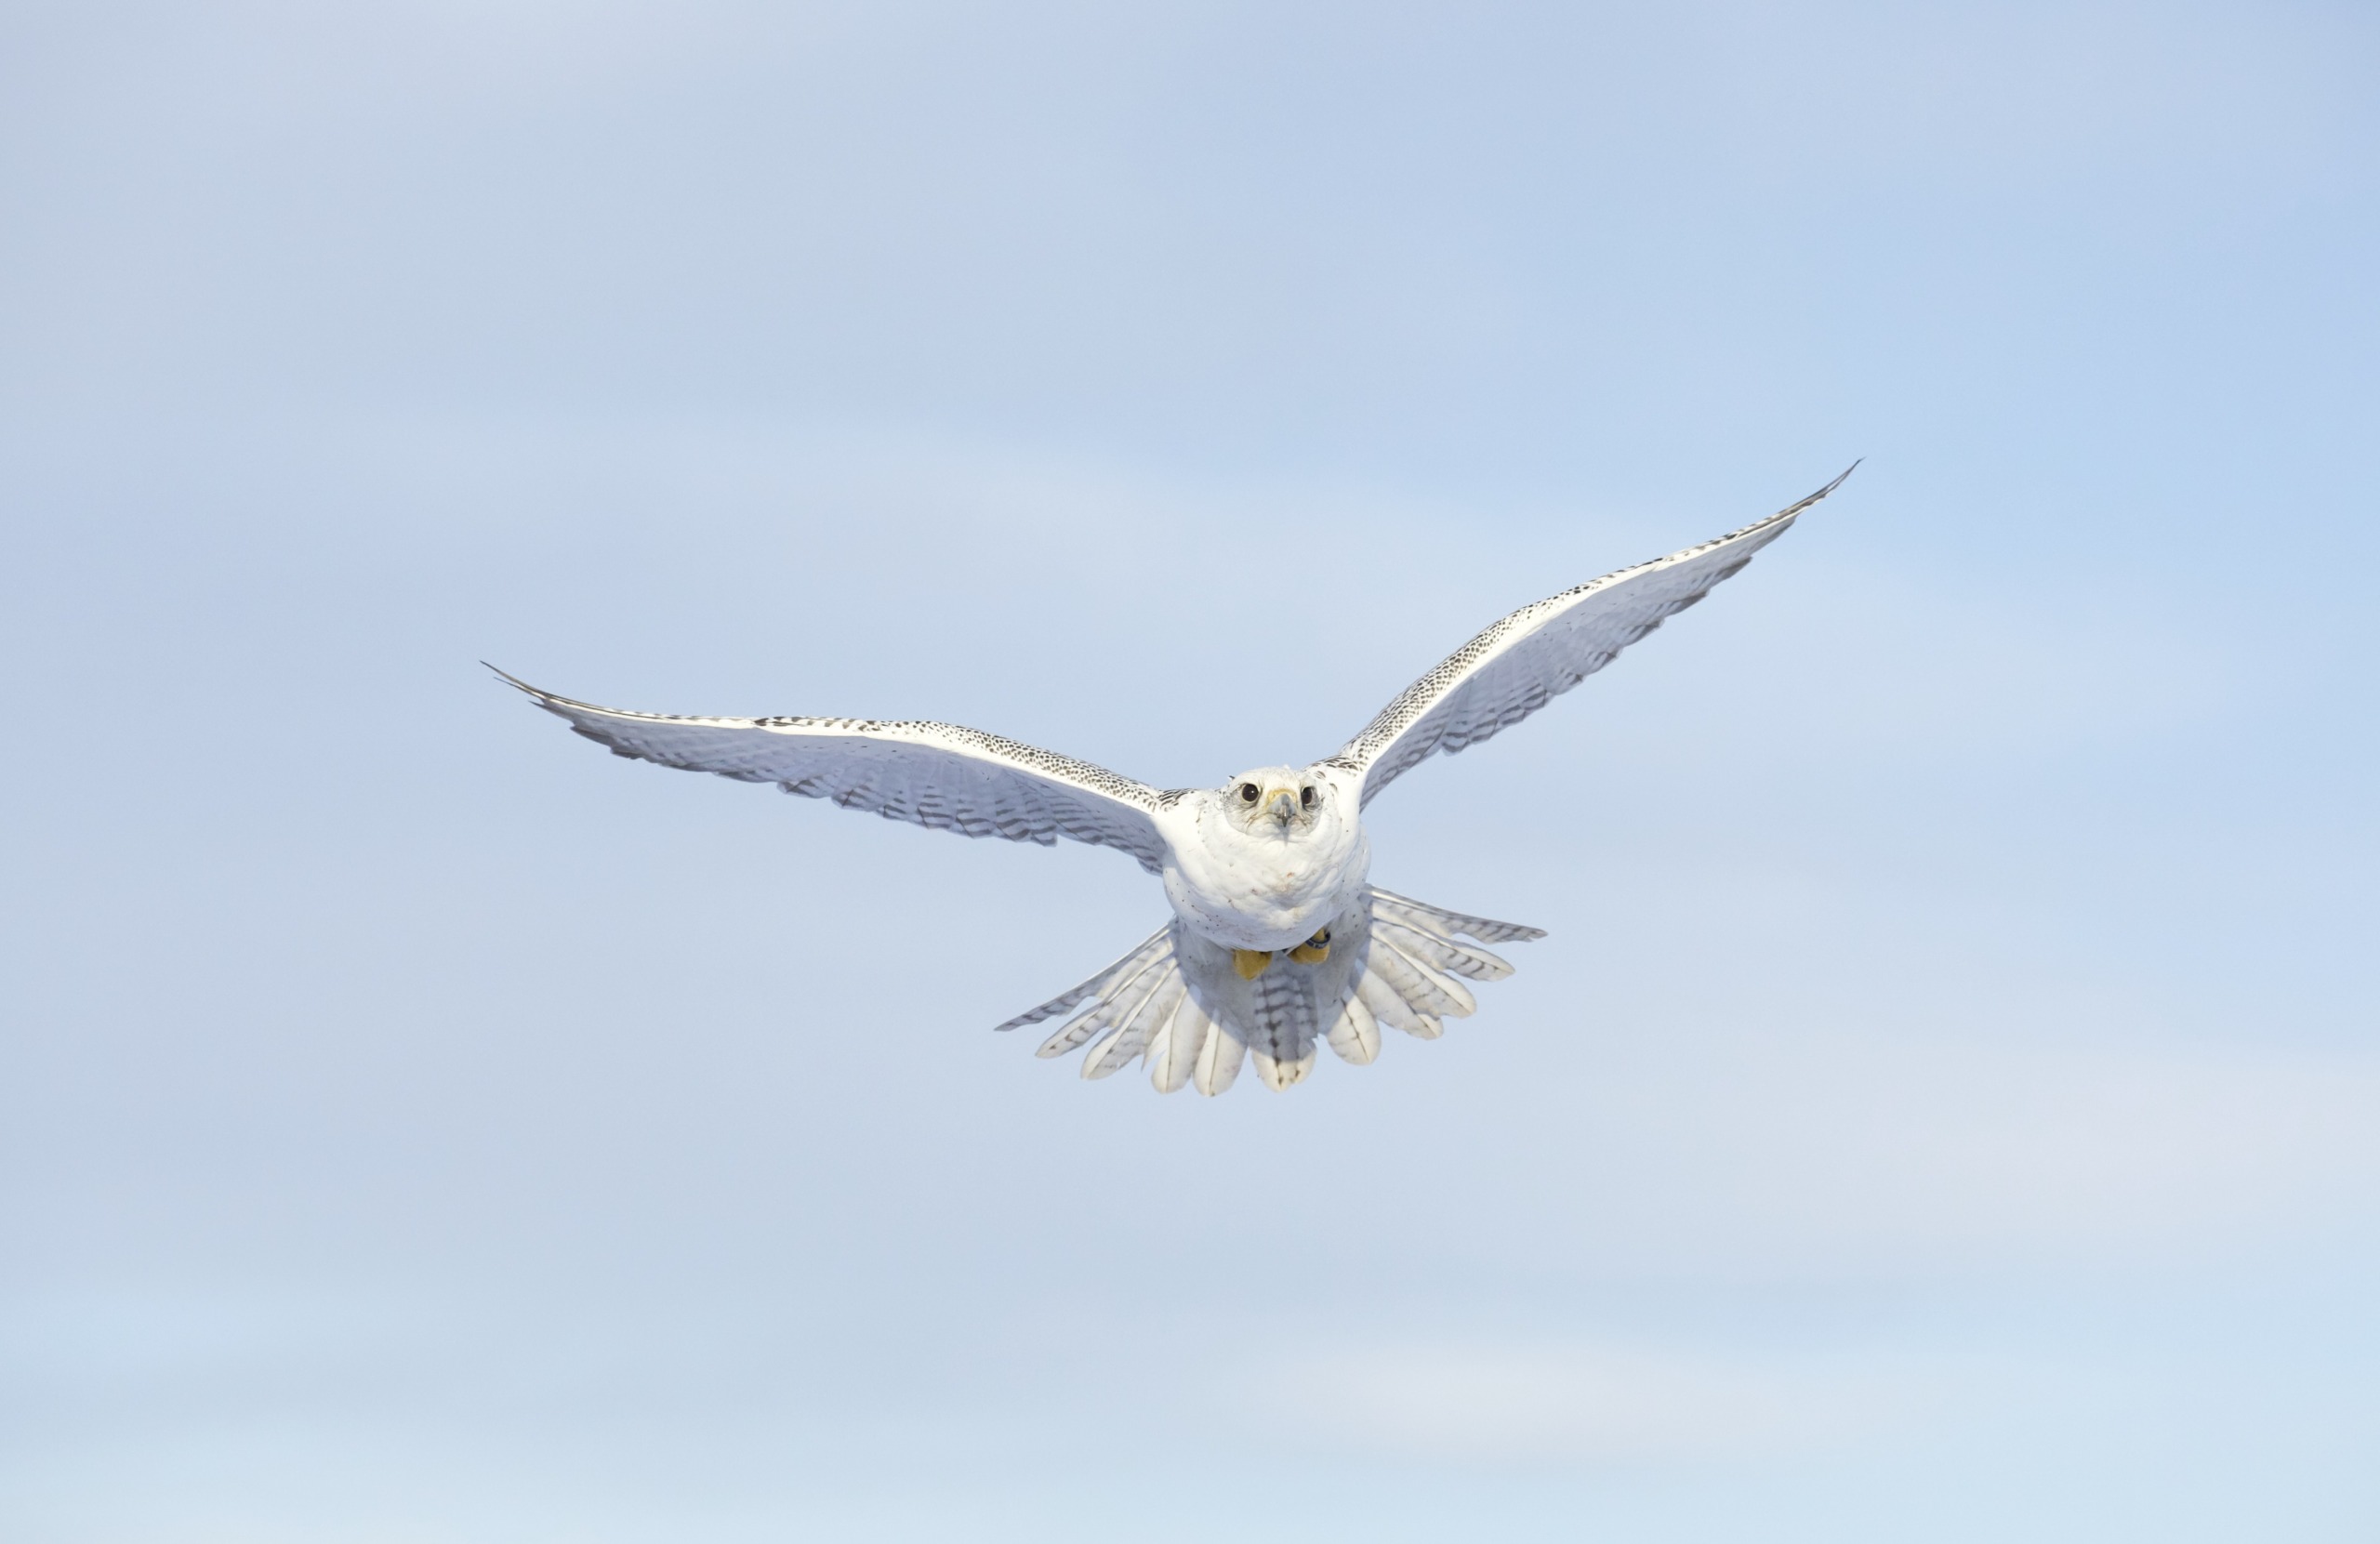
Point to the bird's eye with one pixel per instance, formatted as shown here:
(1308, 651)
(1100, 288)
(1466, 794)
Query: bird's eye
(1306, 796)
(1248, 793)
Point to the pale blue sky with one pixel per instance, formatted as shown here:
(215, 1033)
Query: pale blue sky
(1948, 1105)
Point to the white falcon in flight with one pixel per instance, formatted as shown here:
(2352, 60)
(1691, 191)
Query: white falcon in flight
(1278, 940)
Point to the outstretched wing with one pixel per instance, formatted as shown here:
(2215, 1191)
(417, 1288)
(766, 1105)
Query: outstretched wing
(1540, 652)
(937, 775)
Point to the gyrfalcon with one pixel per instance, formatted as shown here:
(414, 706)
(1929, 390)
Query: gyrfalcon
(1279, 941)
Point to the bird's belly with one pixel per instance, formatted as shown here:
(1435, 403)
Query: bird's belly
(1263, 895)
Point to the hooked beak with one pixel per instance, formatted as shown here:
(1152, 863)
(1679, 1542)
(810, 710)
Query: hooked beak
(1282, 805)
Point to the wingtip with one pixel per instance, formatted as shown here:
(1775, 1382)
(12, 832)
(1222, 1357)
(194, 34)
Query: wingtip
(1799, 505)
(537, 694)
(516, 682)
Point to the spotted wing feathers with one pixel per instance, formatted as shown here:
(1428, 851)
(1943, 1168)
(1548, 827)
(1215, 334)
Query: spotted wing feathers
(1526, 660)
(936, 775)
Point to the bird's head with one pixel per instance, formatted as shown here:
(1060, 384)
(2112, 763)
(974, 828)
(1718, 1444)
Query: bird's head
(1276, 802)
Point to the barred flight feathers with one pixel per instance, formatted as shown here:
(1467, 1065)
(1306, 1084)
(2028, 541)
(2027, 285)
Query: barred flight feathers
(1526, 660)
(939, 777)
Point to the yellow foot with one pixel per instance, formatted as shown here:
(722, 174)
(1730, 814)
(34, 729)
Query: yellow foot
(1314, 950)
(1250, 963)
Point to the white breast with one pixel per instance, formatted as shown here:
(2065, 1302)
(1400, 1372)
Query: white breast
(1261, 892)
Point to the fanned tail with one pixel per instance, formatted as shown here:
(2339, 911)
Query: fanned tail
(1142, 953)
(1176, 1002)
(1451, 924)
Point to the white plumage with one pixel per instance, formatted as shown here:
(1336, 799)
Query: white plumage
(1278, 943)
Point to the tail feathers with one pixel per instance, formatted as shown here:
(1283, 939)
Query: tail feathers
(1157, 942)
(1420, 985)
(1459, 959)
(1177, 1003)
(1450, 924)
(1121, 993)
(1219, 1061)
(1173, 1054)
(1280, 1074)
(1390, 1007)
(1356, 1034)
(1150, 1016)
(1285, 1020)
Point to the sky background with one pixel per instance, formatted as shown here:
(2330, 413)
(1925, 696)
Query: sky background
(1947, 1106)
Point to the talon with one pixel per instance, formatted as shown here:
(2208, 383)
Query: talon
(1314, 950)
(1250, 963)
